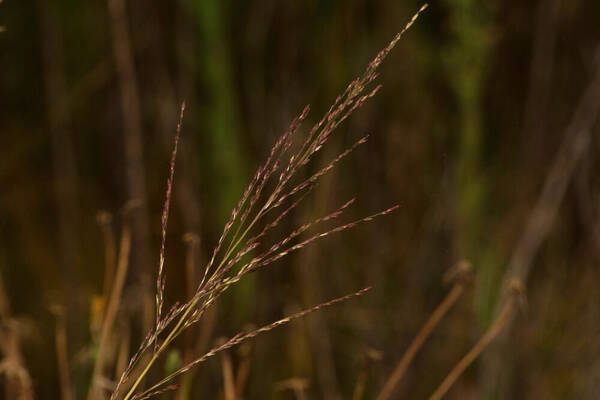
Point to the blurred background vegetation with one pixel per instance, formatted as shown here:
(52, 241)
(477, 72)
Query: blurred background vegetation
(485, 133)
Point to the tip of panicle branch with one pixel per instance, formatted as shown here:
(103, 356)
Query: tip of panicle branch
(160, 281)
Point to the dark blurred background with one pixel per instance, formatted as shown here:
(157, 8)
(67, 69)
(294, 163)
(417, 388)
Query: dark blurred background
(485, 133)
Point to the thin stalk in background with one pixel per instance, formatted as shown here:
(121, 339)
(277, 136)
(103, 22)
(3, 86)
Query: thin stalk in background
(361, 382)
(297, 385)
(113, 303)
(62, 354)
(243, 369)
(131, 116)
(461, 274)
(577, 137)
(505, 315)
(227, 370)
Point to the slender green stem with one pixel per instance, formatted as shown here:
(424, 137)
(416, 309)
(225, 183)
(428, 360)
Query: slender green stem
(236, 244)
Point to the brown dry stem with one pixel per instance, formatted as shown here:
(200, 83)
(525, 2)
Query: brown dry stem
(505, 316)
(460, 274)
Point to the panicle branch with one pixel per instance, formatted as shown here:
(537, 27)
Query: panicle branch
(160, 280)
(241, 337)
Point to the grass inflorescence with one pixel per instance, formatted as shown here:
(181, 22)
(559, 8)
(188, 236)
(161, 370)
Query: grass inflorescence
(272, 194)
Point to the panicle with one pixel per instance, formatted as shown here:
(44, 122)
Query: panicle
(160, 280)
(245, 226)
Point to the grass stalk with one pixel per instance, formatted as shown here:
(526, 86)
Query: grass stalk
(62, 356)
(243, 370)
(113, 304)
(371, 356)
(228, 380)
(505, 315)
(461, 275)
(437, 315)
(297, 385)
(123, 352)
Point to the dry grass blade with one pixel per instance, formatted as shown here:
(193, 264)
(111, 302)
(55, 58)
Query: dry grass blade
(228, 380)
(62, 355)
(459, 274)
(505, 315)
(361, 382)
(576, 140)
(243, 370)
(359, 389)
(418, 341)
(113, 304)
